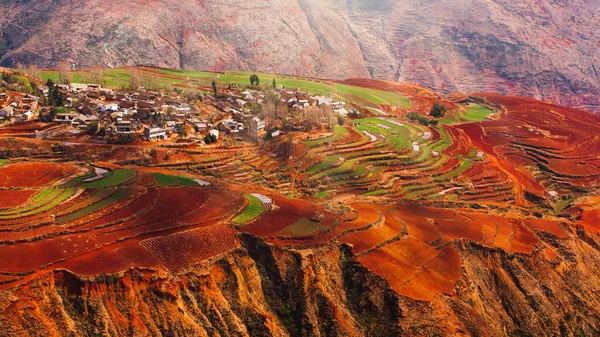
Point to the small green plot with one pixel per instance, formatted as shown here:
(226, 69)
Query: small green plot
(114, 178)
(374, 193)
(252, 212)
(473, 113)
(476, 112)
(166, 180)
(76, 181)
(302, 227)
(104, 197)
(42, 203)
(324, 194)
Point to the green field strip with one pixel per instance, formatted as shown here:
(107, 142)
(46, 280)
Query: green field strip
(254, 209)
(93, 208)
(114, 178)
(52, 200)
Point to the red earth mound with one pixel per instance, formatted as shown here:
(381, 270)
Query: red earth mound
(25, 128)
(14, 198)
(33, 174)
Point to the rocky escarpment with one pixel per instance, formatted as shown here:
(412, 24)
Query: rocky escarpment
(543, 49)
(262, 290)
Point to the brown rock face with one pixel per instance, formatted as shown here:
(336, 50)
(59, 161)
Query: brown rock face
(543, 49)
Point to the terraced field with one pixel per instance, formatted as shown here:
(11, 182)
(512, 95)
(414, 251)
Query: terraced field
(385, 157)
(547, 149)
(402, 196)
(57, 218)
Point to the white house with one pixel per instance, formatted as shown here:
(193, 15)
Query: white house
(152, 134)
(124, 126)
(256, 125)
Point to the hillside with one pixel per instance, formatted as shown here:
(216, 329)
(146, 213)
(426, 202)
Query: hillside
(375, 221)
(542, 49)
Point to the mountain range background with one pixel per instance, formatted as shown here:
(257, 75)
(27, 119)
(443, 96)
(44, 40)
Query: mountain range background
(547, 49)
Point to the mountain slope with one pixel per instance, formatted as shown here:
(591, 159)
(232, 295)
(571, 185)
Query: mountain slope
(545, 49)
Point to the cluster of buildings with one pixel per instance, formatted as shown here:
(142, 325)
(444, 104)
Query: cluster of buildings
(245, 120)
(110, 113)
(294, 99)
(118, 113)
(17, 107)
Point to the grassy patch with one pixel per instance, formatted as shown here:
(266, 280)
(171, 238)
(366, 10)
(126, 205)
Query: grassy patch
(185, 181)
(43, 202)
(340, 130)
(253, 211)
(106, 201)
(4, 162)
(373, 95)
(324, 194)
(165, 180)
(302, 227)
(166, 78)
(115, 178)
(374, 193)
(474, 113)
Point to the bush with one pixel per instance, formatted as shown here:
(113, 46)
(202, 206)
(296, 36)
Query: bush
(210, 138)
(49, 117)
(415, 117)
(438, 110)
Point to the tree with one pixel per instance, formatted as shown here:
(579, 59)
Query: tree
(210, 138)
(415, 117)
(135, 79)
(181, 130)
(268, 111)
(274, 83)
(49, 117)
(64, 72)
(214, 87)
(55, 98)
(9, 77)
(96, 75)
(283, 112)
(254, 80)
(34, 71)
(438, 110)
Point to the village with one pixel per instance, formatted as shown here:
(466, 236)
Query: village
(99, 114)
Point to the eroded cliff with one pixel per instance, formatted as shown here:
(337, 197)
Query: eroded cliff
(263, 290)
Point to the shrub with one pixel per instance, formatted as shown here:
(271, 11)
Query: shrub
(438, 110)
(415, 117)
